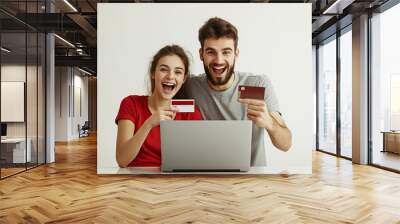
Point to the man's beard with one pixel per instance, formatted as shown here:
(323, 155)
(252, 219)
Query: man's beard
(219, 82)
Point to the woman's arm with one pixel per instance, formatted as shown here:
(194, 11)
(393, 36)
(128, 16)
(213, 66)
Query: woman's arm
(128, 145)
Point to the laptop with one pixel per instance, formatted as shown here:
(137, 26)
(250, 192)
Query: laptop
(205, 146)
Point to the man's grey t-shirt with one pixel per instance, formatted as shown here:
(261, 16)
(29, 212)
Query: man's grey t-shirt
(224, 105)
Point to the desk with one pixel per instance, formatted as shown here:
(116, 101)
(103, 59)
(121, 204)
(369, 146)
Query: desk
(13, 150)
(255, 170)
(391, 141)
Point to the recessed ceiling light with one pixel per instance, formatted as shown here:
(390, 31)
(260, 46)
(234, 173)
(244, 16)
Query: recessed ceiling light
(70, 5)
(64, 40)
(84, 71)
(5, 50)
(337, 7)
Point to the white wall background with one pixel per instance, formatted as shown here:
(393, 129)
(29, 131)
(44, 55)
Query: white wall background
(270, 42)
(68, 82)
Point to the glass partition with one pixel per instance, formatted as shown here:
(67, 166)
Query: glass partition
(14, 154)
(22, 77)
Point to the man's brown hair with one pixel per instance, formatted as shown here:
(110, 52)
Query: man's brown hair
(218, 28)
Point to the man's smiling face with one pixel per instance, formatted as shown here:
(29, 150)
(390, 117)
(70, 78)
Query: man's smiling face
(218, 56)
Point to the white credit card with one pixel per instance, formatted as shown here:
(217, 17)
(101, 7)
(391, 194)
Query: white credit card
(184, 105)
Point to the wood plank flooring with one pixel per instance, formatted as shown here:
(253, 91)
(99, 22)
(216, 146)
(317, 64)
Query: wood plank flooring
(387, 159)
(70, 191)
(10, 171)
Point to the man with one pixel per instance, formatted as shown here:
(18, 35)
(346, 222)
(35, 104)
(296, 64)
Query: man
(216, 91)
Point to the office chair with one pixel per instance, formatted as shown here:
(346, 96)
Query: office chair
(84, 130)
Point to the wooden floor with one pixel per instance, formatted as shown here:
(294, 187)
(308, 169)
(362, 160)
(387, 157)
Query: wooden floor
(387, 159)
(70, 191)
(5, 172)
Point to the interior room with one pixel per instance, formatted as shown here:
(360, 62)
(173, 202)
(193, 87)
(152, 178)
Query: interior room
(52, 114)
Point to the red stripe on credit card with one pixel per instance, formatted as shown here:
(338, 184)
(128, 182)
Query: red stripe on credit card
(182, 102)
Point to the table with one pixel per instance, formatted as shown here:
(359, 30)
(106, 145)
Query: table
(256, 170)
(13, 150)
(391, 141)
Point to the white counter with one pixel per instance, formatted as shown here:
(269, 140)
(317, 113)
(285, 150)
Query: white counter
(17, 145)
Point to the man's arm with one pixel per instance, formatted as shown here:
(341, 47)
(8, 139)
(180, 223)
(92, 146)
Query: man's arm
(279, 133)
(272, 122)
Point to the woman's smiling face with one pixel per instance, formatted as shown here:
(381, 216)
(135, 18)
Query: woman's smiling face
(169, 76)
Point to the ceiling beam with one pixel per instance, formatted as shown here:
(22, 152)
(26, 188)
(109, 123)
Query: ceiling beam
(83, 23)
(85, 61)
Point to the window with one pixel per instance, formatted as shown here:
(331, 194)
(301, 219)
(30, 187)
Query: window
(327, 96)
(346, 94)
(385, 89)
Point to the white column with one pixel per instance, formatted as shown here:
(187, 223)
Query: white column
(50, 92)
(360, 90)
(50, 100)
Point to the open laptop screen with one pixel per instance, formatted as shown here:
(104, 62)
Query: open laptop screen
(205, 146)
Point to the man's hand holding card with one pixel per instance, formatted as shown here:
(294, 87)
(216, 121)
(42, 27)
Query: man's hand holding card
(257, 111)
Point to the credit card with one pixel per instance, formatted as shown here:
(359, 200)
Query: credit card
(186, 106)
(251, 92)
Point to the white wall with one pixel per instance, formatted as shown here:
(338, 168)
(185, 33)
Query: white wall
(15, 72)
(80, 84)
(68, 80)
(61, 103)
(34, 125)
(270, 42)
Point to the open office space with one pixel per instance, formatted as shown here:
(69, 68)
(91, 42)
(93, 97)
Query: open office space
(91, 92)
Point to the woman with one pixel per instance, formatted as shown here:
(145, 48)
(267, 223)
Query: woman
(138, 119)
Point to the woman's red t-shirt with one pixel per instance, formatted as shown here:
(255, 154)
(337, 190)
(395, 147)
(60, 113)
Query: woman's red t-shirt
(135, 109)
